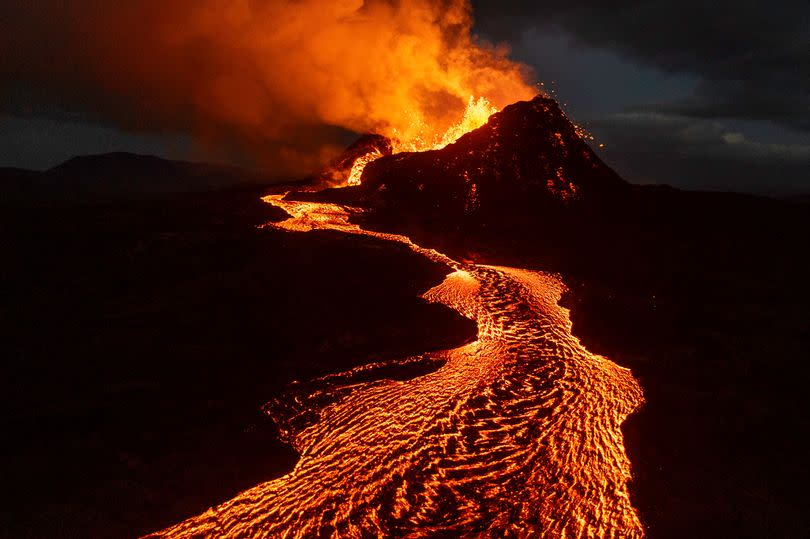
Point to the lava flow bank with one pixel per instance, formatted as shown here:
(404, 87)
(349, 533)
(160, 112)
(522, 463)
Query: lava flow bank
(517, 434)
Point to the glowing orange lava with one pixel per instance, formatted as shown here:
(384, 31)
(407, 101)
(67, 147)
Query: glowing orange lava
(475, 115)
(360, 165)
(517, 434)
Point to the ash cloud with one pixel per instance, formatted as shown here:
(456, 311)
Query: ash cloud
(279, 80)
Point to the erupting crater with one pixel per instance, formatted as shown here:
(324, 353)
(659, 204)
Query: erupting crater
(348, 168)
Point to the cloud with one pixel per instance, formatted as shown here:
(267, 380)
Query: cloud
(753, 57)
(280, 79)
(752, 100)
(40, 143)
(654, 147)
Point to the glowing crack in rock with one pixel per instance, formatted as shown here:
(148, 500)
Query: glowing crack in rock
(517, 434)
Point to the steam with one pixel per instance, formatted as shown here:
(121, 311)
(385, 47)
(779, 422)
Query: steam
(278, 79)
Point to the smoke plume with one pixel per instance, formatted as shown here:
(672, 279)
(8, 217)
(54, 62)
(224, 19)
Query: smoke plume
(277, 79)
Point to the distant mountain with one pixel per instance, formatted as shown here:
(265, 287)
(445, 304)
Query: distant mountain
(120, 176)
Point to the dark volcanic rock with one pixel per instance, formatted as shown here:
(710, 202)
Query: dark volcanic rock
(528, 155)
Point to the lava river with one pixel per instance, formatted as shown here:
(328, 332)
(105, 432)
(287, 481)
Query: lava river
(517, 434)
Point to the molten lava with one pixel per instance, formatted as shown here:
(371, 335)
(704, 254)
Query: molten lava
(360, 165)
(476, 114)
(518, 434)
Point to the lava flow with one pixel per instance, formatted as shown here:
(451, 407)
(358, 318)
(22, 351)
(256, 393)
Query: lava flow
(517, 434)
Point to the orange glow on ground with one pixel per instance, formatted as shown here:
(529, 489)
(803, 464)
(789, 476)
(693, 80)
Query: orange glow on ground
(517, 434)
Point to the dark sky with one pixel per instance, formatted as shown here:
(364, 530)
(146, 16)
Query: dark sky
(704, 95)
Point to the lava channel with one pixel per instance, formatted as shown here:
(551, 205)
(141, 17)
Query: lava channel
(517, 434)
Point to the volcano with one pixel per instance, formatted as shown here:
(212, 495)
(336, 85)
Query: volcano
(671, 408)
(528, 154)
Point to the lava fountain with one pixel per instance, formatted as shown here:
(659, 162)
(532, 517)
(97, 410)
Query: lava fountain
(517, 434)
